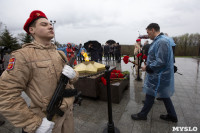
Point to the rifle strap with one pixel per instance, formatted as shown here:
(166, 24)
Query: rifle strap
(70, 92)
(62, 56)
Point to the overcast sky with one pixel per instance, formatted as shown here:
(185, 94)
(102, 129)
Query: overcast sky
(121, 20)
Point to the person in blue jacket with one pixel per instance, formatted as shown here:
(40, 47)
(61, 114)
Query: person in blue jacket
(80, 57)
(159, 81)
(63, 49)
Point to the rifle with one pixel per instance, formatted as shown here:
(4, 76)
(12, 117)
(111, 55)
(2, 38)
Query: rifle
(61, 92)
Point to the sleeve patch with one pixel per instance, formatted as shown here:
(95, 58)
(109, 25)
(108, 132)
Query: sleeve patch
(11, 64)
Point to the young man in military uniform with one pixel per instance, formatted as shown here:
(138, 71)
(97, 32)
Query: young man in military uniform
(137, 50)
(36, 70)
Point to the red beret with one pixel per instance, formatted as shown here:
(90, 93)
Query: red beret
(33, 16)
(138, 40)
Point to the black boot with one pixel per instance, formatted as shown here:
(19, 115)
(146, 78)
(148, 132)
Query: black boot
(160, 99)
(138, 117)
(169, 118)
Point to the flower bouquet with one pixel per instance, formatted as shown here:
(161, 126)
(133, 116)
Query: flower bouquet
(126, 58)
(115, 76)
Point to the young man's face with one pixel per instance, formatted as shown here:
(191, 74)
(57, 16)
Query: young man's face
(43, 29)
(150, 33)
(139, 42)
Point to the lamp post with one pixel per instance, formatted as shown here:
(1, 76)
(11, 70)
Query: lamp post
(53, 22)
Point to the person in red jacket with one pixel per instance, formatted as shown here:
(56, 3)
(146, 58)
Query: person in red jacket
(70, 53)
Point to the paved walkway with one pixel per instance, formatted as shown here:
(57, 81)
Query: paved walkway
(92, 116)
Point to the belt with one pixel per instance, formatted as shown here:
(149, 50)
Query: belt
(70, 92)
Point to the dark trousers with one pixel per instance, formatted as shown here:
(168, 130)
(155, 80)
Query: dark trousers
(116, 56)
(106, 55)
(100, 57)
(80, 57)
(112, 55)
(149, 100)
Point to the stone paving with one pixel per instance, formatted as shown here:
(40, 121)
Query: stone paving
(92, 115)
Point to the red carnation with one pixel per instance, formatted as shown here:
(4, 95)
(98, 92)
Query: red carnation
(138, 55)
(120, 75)
(118, 71)
(113, 75)
(126, 59)
(114, 71)
(144, 57)
(103, 80)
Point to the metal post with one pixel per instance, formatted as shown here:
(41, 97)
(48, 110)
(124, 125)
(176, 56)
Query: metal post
(110, 126)
(53, 22)
(138, 74)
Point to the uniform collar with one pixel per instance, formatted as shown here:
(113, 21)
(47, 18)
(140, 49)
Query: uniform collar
(38, 45)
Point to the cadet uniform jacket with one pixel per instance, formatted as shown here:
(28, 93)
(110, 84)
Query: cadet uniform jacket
(137, 49)
(37, 69)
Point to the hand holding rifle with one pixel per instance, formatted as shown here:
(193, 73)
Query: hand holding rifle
(60, 91)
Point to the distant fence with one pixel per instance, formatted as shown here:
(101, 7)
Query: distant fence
(127, 50)
(180, 50)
